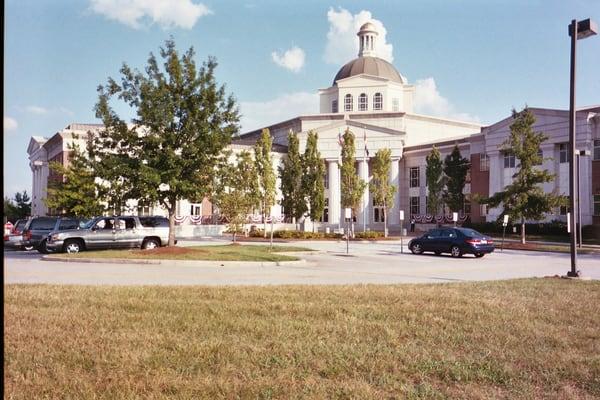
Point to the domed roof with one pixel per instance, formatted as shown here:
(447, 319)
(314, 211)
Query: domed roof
(368, 27)
(374, 66)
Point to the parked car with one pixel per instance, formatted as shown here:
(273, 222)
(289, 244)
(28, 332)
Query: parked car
(456, 241)
(36, 230)
(112, 233)
(15, 238)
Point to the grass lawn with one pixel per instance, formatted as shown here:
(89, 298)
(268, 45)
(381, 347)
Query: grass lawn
(522, 339)
(212, 253)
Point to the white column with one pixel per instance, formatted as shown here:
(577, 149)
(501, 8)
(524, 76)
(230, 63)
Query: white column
(363, 211)
(334, 192)
(394, 212)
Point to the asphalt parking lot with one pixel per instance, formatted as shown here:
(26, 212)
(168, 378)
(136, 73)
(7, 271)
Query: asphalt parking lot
(366, 263)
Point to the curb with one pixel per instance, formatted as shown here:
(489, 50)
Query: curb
(177, 263)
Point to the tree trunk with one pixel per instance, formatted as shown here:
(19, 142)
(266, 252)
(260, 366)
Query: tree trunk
(171, 227)
(522, 231)
(385, 218)
(234, 232)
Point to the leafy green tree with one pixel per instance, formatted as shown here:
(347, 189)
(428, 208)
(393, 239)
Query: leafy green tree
(524, 199)
(313, 181)
(73, 192)
(10, 210)
(293, 202)
(352, 186)
(236, 191)
(266, 174)
(435, 181)
(23, 204)
(183, 120)
(456, 168)
(380, 187)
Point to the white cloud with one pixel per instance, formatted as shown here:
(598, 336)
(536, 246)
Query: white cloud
(429, 101)
(10, 124)
(292, 59)
(257, 114)
(342, 42)
(36, 110)
(166, 13)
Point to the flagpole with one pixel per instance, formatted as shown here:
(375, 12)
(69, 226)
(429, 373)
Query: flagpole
(366, 210)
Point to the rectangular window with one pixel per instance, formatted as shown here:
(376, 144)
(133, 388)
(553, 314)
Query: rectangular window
(484, 162)
(563, 153)
(326, 179)
(596, 149)
(509, 160)
(483, 210)
(467, 206)
(348, 102)
(414, 177)
(540, 159)
(395, 104)
(196, 209)
(597, 204)
(144, 210)
(334, 106)
(415, 208)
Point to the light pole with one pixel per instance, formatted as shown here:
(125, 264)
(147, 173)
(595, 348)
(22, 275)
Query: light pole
(577, 30)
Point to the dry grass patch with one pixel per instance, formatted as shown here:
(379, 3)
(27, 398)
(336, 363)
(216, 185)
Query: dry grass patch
(231, 252)
(515, 340)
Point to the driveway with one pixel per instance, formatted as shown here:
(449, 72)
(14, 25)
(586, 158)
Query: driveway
(377, 263)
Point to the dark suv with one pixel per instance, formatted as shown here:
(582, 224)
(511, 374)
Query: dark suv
(37, 229)
(456, 241)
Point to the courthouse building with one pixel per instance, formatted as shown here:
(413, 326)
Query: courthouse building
(372, 99)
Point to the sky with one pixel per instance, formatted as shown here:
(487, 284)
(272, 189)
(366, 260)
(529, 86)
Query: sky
(469, 59)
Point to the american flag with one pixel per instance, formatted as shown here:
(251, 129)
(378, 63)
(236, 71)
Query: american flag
(340, 139)
(366, 149)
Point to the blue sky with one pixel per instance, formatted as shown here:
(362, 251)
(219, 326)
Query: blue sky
(469, 59)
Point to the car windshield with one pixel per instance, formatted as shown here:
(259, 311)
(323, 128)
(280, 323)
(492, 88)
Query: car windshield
(470, 232)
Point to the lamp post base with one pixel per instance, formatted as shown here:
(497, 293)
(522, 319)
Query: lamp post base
(575, 274)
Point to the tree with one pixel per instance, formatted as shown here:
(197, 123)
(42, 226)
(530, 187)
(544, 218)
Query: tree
(293, 202)
(22, 204)
(380, 187)
(236, 191)
(73, 192)
(266, 174)
(313, 181)
(456, 168)
(525, 199)
(183, 120)
(10, 210)
(352, 186)
(435, 181)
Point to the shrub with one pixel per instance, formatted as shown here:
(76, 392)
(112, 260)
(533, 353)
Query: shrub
(369, 235)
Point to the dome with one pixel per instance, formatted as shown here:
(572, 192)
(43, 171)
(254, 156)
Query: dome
(369, 27)
(374, 66)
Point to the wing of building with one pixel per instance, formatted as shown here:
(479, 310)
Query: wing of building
(372, 99)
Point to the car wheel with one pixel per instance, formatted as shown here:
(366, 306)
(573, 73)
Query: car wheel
(455, 251)
(150, 244)
(479, 255)
(72, 246)
(416, 248)
(42, 247)
(437, 253)
(28, 248)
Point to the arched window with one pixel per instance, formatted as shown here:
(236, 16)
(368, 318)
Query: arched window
(348, 102)
(377, 101)
(362, 102)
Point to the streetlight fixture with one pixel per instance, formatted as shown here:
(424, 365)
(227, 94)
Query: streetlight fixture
(577, 30)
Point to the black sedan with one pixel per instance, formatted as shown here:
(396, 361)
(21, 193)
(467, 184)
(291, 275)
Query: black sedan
(456, 241)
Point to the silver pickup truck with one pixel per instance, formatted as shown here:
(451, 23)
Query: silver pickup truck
(112, 233)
